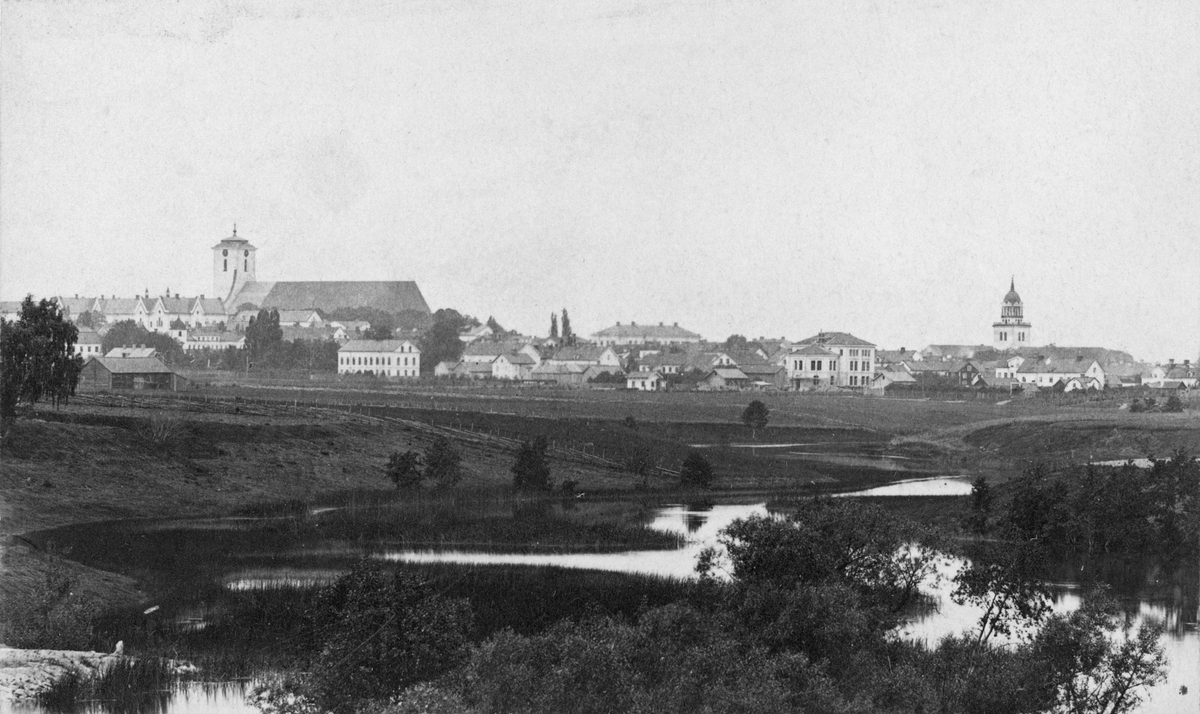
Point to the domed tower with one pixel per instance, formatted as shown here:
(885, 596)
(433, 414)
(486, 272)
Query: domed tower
(233, 265)
(1012, 331)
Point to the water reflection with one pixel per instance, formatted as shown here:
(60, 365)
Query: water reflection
(937, 486)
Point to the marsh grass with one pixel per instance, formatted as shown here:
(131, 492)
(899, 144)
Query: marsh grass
(141, 685)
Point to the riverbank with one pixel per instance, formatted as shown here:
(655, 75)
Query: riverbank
(25, 674)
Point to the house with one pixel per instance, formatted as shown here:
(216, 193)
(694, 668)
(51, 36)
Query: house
(550, 373)
(486, 352)
(765, 376)
(114, 373)
(478, 332)
(585, 356)
(314, 334)
(663, 362)
(1082, 383)
(10, 310)
(445, 369)
(300, 318)
(855, 363)
(1184, 374)
(939, 353)
(635, 334)
(166, 309)
(212, 338)
(724, 378)
(88, 343)
(386, 358)
(513, 366)
(644, 381)
(73, 307)
(892, 380)
(1045, 373)
(351, 327)
(811, 366)
(1008, 368)
(207, 311)
(117, 309)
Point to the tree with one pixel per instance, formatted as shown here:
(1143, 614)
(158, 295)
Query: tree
(88, 318)
(383, 631)
(38, 356)
(568, 337)
(404, 469)
(128, 333)
(756, 416)
(695, 471)
(1174, 404)
(263, 334)
(496, 327)
(553, 326)
(440, 343)
(979, 507)
(531, 472)
(178, 324)
(442, 463)
(736, 343)
(380, 332)
(640, 462)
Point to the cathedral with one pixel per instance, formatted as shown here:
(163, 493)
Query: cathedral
(236, 283)
(1013, 331)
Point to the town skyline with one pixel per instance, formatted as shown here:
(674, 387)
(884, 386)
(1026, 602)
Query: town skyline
(704, 165)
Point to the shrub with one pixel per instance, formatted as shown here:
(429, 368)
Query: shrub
(386, 631)
(695, 471)
(530, 471)
(54, 616)
(1174, 405)
(160, 430)
(1136, 406)
(443, 463)
(404, 469)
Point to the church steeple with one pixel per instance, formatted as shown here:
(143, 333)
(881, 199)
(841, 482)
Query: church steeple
(233, 265)
(1012, 331)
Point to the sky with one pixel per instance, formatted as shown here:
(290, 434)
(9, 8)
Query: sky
(764, 167)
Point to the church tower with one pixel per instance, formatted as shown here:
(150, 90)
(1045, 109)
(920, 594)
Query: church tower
(1012, 331)
(233, 265)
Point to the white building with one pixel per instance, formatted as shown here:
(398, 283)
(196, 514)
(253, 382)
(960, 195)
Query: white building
(644, 381)
(853, 360)
(1013, 330)
(88, 344)
(386, 358)
(635, 334)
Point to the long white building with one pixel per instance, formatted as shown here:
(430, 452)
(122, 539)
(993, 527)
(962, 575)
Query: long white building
(384, 358)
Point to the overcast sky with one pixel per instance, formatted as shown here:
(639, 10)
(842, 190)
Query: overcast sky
(771, 168)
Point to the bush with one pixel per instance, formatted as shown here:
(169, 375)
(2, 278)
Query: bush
(530, 471)
(386, 631)
(54, 616)
(1136, 407)
(1174, 405)
(404, 469)
(695, 471)
(160, 430)
(443, 463)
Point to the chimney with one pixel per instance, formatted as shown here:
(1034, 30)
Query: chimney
(677, 324)
(660, 324)
(634, 324)
(1171, 362)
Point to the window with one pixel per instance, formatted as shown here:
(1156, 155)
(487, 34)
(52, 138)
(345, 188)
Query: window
(226, 268)
(246, 265)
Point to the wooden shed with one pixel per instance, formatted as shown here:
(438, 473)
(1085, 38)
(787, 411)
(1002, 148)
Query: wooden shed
(128, 373)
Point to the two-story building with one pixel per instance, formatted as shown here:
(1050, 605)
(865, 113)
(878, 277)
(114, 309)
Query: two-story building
(385, 358)
(853, 360)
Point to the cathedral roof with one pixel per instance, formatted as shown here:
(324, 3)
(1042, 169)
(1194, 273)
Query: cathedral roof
(1012, 298)
(389, 296)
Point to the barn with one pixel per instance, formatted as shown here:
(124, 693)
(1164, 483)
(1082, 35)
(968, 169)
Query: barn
(128, 373)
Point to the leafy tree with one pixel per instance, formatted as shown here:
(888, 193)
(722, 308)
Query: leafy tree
(89, 318)
(443, 463)
(1174, 404)
(1136, 406)
(440, 343)
(381, 332)
(531, 471)
(756, 415)
(640, 462)
(979, 507)
(736, 342)
(128, 333)
(37, 356)
(404, 469)
(695, 471)
(496, 327)
(263, 334)
(553, 325)
(385, 631)
(1003, 582)
(568, 337)
(178, 324)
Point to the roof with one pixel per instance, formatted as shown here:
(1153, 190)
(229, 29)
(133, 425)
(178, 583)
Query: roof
(233, 242)
(1012, 298)
(296, 315)
(74, 305)
(1179, 371)
(643, 375)
(813, 350)
(210, 306)
(374, 346)
(291, 333)
(839, 339)
(729, 373)
(924, 366)
(658, 360)
(480, 348)
(546, 368)
(518, 358)
(580, 353)
(648, 333)
(388, 296)
(130, 352)
(119, 306)
(896, 376)
(176, 305)
(746, 357)
(89, 337)
(132, 365)
(213, 330)
(761, 369)
(480, 367)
